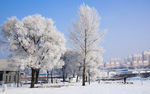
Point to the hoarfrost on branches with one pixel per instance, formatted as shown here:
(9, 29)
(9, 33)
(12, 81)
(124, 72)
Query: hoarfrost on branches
(86, 38)
(34, 41)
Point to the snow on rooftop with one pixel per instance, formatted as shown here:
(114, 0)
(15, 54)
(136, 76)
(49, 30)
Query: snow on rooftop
(6, 65)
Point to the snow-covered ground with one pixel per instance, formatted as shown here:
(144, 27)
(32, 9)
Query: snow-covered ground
(75, 88)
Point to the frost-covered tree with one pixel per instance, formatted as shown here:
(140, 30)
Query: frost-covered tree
(85, 37)
(72, 63)
(34, 41)
(49, 67)
(94, 62)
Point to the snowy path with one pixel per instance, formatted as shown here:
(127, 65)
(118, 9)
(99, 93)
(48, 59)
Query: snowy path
(95, 88)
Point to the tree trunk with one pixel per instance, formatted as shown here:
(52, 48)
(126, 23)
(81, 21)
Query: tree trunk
(83, 74)
(37, 76)
(18, 78)
(63, 74)
(47, 76)
(89, 80)
(52, 76)
(124, 80)
(66, 76)
(77, 78)
(32, 78)
(73, 75)
(84, 61)
(86, 78)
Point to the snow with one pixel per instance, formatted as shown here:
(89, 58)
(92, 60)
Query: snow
(94, 88)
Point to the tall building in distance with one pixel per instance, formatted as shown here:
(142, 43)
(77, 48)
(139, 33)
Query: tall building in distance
(113, 63)
(138, 60)
(141, 60)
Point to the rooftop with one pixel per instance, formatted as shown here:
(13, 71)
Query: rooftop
(6, 65)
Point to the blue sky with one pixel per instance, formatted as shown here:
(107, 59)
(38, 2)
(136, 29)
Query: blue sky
(127, 21)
